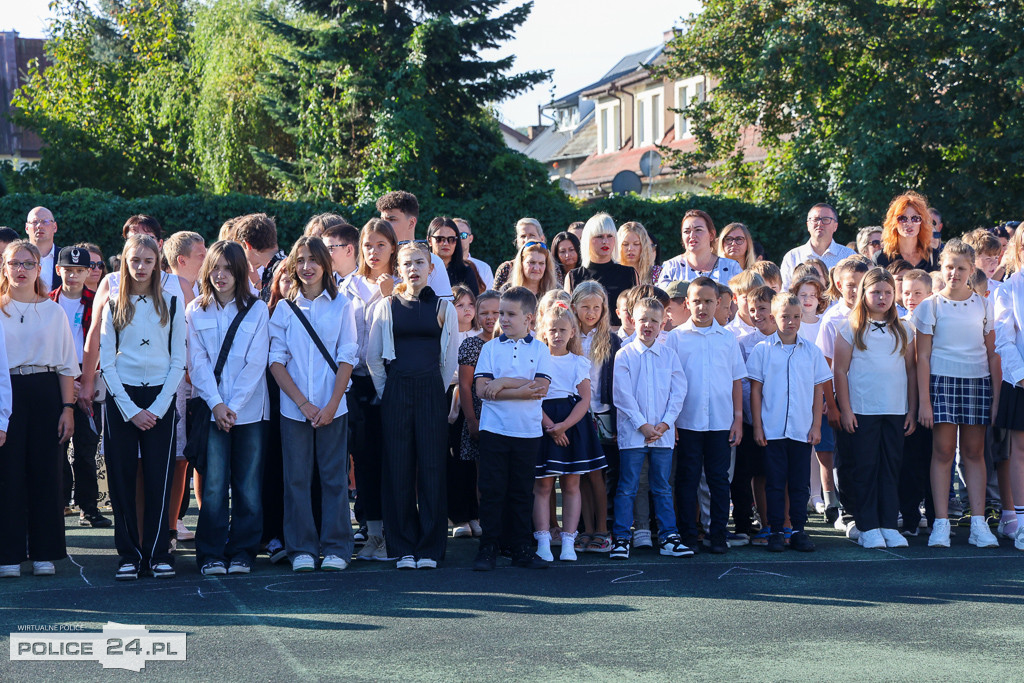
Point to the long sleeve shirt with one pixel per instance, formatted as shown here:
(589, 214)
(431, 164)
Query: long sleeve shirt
(649, 388)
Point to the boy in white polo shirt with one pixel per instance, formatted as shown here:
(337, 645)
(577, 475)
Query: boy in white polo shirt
(512, 377)
(787, 378)
(711, 421)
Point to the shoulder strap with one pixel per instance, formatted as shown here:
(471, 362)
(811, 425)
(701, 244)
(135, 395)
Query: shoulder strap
(170, 323)
(313, 335)
(229, 338)
(117, 332)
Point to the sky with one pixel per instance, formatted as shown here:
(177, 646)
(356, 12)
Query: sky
(579, 39)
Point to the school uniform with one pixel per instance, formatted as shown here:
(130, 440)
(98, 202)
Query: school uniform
(235, 458)
(583, 454)
(510, 434)
(142, 366)
(1009, 327)
(915, 474)
(649, 389)
(38, 350)
(877, 381)
(411, 358)
(711, 360)
(327, 446)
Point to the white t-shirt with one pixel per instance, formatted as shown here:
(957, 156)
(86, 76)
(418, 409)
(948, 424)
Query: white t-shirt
(958, 330)
(878, 374)
(809, 331)
(75, 309)
(566, 373)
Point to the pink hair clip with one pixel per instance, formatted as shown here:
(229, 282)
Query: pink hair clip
(562, 304)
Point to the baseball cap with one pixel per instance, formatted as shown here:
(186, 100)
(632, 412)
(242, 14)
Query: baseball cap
(73, 257)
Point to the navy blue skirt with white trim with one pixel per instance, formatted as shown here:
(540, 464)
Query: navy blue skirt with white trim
(582, 455)
(961, 400)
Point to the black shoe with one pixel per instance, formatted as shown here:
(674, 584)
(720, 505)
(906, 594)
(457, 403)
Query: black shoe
(719, 546)
(359, 537)
(693, 543)
(525, 558)
(776, 542)
(486, 558)
(831, 515)
(801, 541)
(94, 519)
(505, 551)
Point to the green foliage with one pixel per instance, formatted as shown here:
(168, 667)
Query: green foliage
(857, 101)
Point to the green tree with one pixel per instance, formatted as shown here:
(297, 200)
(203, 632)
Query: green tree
(857, 100)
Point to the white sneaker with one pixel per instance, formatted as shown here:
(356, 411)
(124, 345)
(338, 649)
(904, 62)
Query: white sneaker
(1018, 540)
(894, 539)
(642, 539)
(939, 537)
(474, 524)
(853, 533)
(819, 507)
(981, 536)
(462, 531)
(839, 524)
(544, 545)
(183, 533)
(406, 562)
(426, 563)
(303, 563)
(816, 504)
(333, 563)
(374, 549)
(10, 571)
(1007, 528)
(568, 553)
(43, 569)
(871, 539)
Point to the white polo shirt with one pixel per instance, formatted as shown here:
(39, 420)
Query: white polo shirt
(649, 388)
(833, 254)
(525, 358)
(711, 359)
(878, 374)
(828, 328)
(788, 373)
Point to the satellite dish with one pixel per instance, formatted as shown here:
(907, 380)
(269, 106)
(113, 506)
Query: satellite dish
(625, 182)
(569, 187)
(650, 163)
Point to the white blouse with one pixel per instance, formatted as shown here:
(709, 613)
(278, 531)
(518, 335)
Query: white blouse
(566, 373)
(878, 375)
(6, 396)
(958, 330)
(39, 334)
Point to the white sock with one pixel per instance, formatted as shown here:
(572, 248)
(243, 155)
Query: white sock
(375, 528)
(543, 545)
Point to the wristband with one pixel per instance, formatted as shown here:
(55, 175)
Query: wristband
(300, 407)
(68, 405)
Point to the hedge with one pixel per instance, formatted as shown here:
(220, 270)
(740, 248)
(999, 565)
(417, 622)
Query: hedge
(90, 215)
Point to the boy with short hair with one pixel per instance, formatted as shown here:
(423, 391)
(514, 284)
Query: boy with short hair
(257, 233)
(726, 308)
(73, 269)
(676, 310)
(987, 249)
(787, 376)
(622, 310)
(711, 418)
(741, 285)
(917, 286)
(512, 376)
(770, 273)
(402, 210)
(649, 389)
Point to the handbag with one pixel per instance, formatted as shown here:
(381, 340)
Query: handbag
(605, 423)
(313, 335)
(198, 411)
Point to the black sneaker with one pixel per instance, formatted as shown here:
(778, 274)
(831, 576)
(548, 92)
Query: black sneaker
(359, 537)
(214, 568)
(719, 546)
(486, 558)
(162, 570)
(831, 515)
(94, 519)
(801, 541)
(776, 542)
(620, 549)
(526, 558)
(127, 572)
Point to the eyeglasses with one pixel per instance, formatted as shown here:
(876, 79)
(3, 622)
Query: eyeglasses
(332, 247)
(875, 243)
(916, 220)
(404, 242)
(22, 265)
(823, 220)
(464, 235)
(734, 239)
(96, 265)
(444, 239)
(535, 244)
(37, 223)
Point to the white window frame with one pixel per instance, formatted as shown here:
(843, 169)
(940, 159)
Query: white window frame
(608, 114)
(688, 86)
(649, 120)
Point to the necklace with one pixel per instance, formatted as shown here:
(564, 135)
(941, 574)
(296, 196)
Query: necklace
(21, 313)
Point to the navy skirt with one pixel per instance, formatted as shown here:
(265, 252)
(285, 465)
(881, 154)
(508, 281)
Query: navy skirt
(583, 454)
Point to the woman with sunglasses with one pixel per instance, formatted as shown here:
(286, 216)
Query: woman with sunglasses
(97, 266)
(907, 234)
(443, 239)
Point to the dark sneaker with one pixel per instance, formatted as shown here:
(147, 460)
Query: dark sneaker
(620, 549)
(801, 541)
(831, 515)
(94, 519)
(673, 546)
(525, 558)
(276, 551)
(239, 567)
(127, 572)
(360, 536)
(719, 546)
(776, 542)
(162, 570)
(486, 558)
(214, 568)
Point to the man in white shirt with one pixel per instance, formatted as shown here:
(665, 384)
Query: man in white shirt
(482, 268)
(41, 227)
(402, 210)
(822, 223)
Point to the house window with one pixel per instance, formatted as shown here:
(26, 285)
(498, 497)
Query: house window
(649, 124)
(608, 127)
(688, 92)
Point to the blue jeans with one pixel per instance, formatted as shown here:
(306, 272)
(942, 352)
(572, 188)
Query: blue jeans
(631, 462)
(233, 459)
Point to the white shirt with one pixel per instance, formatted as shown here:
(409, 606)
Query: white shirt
(958, 330)
(748, 339)
(46, 267)
(141, 357)
(169, 283)
(834, 253)
(243, 380)
(1009, 314)
(809, 331)
(6, 395)
(788, 373)
(525, 358)
(44, 338)
(595, 376)
(74, 309)
(677, 268)
(485, 272)
(649, 388)
(829, 327)
(292, 347)
(567, 373)
(362, 296)
(438, 278)
(712, 361)
(878, 374)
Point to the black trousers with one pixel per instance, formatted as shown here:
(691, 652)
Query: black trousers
(80, 470)
(915, 478)
(414, 465)
(273, 468)
(366, 446)
(749, 461)
(507, 468)
(123, 443)
(463, 504)
(30, 473)
(695, 451)
(787, 465)
(872, 456)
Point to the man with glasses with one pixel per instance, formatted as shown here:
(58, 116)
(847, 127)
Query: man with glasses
(936, 230)
(41, 228)
(482, 268)
(822, 223)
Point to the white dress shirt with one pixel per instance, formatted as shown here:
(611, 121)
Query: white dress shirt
(438, 278)
(141, 358)
(712, 361)
(525, 358)
(1009, 313)
(748, 338)
(292, 347)
(485, 272)
(828, 328)
(834, 253)
(649, 388)
(878, 374)
(362, 296)
(46, 267)
(788, 374)
(243, 381)
(6, 395)
(677, 268)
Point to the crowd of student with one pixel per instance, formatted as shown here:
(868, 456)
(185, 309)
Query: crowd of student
(657, 397)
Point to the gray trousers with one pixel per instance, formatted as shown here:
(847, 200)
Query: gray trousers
(300, 444)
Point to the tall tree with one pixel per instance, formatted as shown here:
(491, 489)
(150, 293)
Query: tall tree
(859, 99)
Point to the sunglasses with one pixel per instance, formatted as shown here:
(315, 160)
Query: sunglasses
(404, 242)
(96, 265)
(875, 243)
(916, 220)
(444, 239)
(464, 235)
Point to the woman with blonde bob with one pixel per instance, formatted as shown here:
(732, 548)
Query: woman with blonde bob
(598, 242)
(534, 269)
(634, 248)
(736, 243)
(907, 234)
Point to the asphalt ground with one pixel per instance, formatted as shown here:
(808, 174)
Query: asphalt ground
(842, 612)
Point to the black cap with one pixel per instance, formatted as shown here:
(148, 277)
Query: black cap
(73, 257)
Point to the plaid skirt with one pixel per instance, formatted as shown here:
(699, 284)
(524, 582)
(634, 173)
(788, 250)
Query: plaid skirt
(961, 400)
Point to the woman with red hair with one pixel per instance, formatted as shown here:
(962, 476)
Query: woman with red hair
(907, 234)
